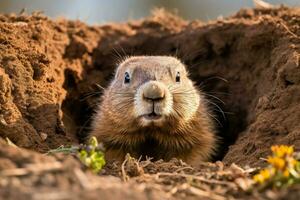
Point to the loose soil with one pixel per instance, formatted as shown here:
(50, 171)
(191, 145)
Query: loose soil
(50, 72)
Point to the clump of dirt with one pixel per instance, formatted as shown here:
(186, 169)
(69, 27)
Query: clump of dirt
(51, 73)
(29, 175)
(32, 75)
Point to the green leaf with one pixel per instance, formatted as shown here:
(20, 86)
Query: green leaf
(93, 141)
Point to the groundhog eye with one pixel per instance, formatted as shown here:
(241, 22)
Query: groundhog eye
(177, 77)
(127, 78)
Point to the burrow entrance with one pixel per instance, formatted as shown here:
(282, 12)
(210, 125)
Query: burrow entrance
(235, 63)
(246, 65)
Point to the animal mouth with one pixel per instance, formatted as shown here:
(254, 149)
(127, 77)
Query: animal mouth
(152, 116)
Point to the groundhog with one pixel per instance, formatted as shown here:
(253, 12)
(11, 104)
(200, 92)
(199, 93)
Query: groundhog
(152, 109)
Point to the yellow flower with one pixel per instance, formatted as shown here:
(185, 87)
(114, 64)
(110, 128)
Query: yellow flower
(282, 150)
(278, 163)
(258, 178)
(283, 165)
(263, 175)
(293, 162)
(286, 173)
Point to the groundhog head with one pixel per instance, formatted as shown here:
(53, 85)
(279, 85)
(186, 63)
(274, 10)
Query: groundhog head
(152, 90)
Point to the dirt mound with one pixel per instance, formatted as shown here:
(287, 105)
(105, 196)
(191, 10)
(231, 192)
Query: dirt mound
(247, 64)
(29, 175)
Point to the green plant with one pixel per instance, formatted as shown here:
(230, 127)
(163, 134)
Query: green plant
(89, 154)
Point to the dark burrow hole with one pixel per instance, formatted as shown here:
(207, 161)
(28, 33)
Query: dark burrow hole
(79, 107)
(228, 80)
(228, 122)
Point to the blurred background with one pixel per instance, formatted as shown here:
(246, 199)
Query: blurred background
(101, 11)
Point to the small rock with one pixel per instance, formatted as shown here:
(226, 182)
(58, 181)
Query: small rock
(43, 136)
(220, 165)
(2, 120)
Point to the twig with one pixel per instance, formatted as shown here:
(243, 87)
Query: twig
(57, 195)
(62, 149)
(10, 143)
(203, 193)
(264, 159)
(183, 168)
(31, 168)
(197, 178)
(286, 28)
(125, 177)
(83, 179)
(195, 191)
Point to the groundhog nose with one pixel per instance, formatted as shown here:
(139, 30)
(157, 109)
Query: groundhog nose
(153, 91)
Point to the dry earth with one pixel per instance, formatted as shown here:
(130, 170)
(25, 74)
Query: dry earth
(49, 71)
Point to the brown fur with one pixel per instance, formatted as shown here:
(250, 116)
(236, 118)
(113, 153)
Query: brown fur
(183, 133)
